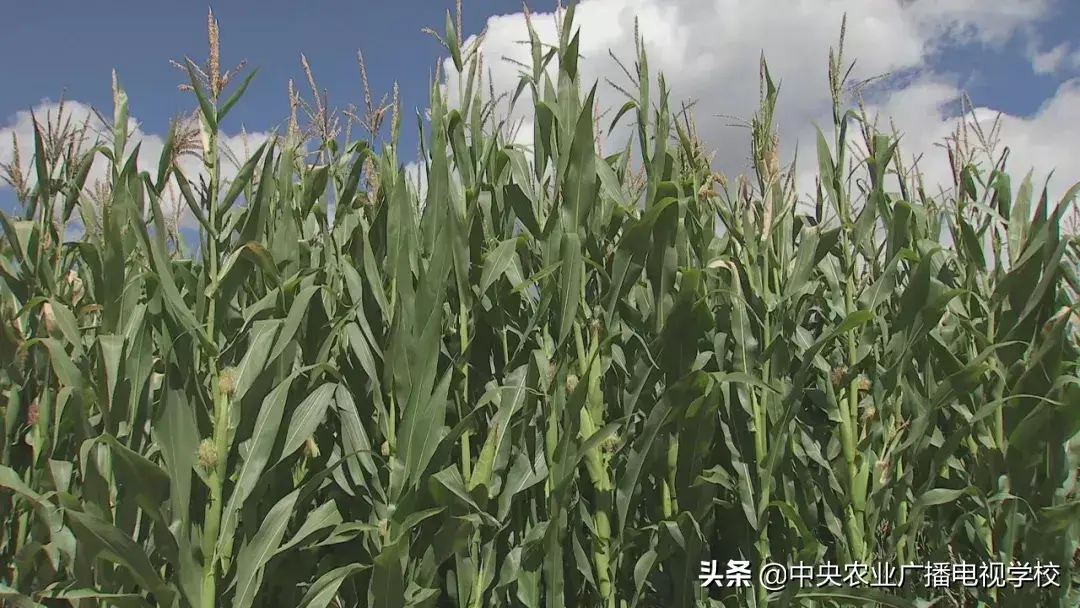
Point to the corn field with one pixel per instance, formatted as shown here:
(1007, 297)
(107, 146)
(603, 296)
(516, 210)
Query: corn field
(550, 378)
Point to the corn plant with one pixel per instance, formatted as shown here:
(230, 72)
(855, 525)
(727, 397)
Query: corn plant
(552, 379)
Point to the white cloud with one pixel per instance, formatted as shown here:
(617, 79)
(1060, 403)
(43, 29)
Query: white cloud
(989, 23)
(1061, 58)
(21, 126)
(416, 179)
(709, 50)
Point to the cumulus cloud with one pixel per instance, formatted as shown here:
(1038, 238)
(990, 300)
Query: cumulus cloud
(1061, 58)
(1040, 142)
(20, 128)
(709, 51)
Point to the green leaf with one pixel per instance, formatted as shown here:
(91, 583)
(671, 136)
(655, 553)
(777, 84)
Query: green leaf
(236, 95)
(523, 208)
(388, 576)
(513, 398)
(65, 369)
(448, 487)
(241, 181)
(73, 596)
(570, 272)
(307, 417)
(580, 187)
(176, 432)
(324, 516)
(940, 496)
(256, 357)
(15, 599)
(325, 589)
(422, 429)
(627, 482)
(497, 263)
(207, 109)
(292, 322)
(44, 182)
(142, 476)
(69, 327)
(10, 479)
(314, 187)
(108, 542)
(172, 298)
(263, 436)
(791, 400)
(522, 475)
(253, 557)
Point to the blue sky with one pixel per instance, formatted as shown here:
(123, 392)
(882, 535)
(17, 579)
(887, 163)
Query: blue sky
(1004, 76)
(988, 49)
(138, 38)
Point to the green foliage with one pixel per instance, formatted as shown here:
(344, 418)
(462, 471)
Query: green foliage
(546, 384)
